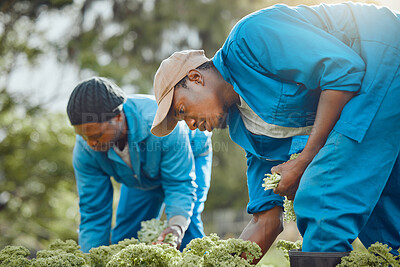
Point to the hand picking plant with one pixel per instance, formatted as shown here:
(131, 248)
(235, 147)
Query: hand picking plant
(270, 182)
(152, 229)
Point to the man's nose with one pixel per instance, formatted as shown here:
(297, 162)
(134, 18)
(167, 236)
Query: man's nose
(191, 123)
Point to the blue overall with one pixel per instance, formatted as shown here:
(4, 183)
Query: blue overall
(278, 60)
(172, 171)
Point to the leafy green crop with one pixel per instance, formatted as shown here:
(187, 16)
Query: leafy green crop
(378, 256)
(100, 256)
(212, 251)
(151, 229)
(201, 252)
(14, 256)
(270, 182)
(285, 246)
(146, 255)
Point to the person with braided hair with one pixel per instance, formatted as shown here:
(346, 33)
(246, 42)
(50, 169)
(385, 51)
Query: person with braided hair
(114, 140)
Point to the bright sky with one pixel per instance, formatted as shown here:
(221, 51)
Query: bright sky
(52, 82)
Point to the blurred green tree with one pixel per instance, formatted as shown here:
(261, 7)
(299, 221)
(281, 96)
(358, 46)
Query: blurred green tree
(128, 42)
(18, 28)
(37, 192)
(38, 199)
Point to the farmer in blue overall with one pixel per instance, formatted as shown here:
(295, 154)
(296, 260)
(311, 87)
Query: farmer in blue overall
(327, 71)
(114, 140)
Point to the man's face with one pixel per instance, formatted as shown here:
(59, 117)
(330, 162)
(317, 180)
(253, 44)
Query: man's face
(200, 106)
(101, 136)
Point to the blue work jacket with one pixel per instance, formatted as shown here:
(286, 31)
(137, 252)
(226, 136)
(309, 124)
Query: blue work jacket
(262, 153)
(279, 59)
(166, 162)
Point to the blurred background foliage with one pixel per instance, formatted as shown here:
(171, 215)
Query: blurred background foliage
(124, 40)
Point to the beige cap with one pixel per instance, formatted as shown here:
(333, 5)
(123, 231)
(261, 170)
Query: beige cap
(170, 72)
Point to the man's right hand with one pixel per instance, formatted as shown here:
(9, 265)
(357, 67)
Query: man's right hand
(175, 230)
(263, 228)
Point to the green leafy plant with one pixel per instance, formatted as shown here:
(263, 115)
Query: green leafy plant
(100, 256)
(212, 251)
(202, 252)
(151, 229)
(285, 246)
(378, 255)
(146, 255)
(14, 256)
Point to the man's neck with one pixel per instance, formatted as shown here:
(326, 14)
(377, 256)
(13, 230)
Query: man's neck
(123, 140)
(121, 143)
(229, 95)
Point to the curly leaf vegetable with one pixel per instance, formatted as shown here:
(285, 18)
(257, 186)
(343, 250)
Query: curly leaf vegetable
(100, 256)
(201, 252)
(14, 256)
(378, 255)
(170, 239)
(212, 251)
(150, 231)
(146, 255)
(285, 246)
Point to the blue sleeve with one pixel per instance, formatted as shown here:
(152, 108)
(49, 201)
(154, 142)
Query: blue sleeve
(203, 165)
(95, 198)
(178, 173)
(260, 199)
(283, 45)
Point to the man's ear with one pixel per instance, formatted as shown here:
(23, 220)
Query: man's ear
(195, 76)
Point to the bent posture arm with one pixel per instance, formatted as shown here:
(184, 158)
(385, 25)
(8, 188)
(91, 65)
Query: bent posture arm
(95, 198)
(178, 182)
(330, 106)
(263, 228)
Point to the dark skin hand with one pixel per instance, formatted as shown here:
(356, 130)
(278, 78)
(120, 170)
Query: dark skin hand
(330, 106)
(263, 229)
(175, 230)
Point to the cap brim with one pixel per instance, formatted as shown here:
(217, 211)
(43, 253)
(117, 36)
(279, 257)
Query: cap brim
(164, 124)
